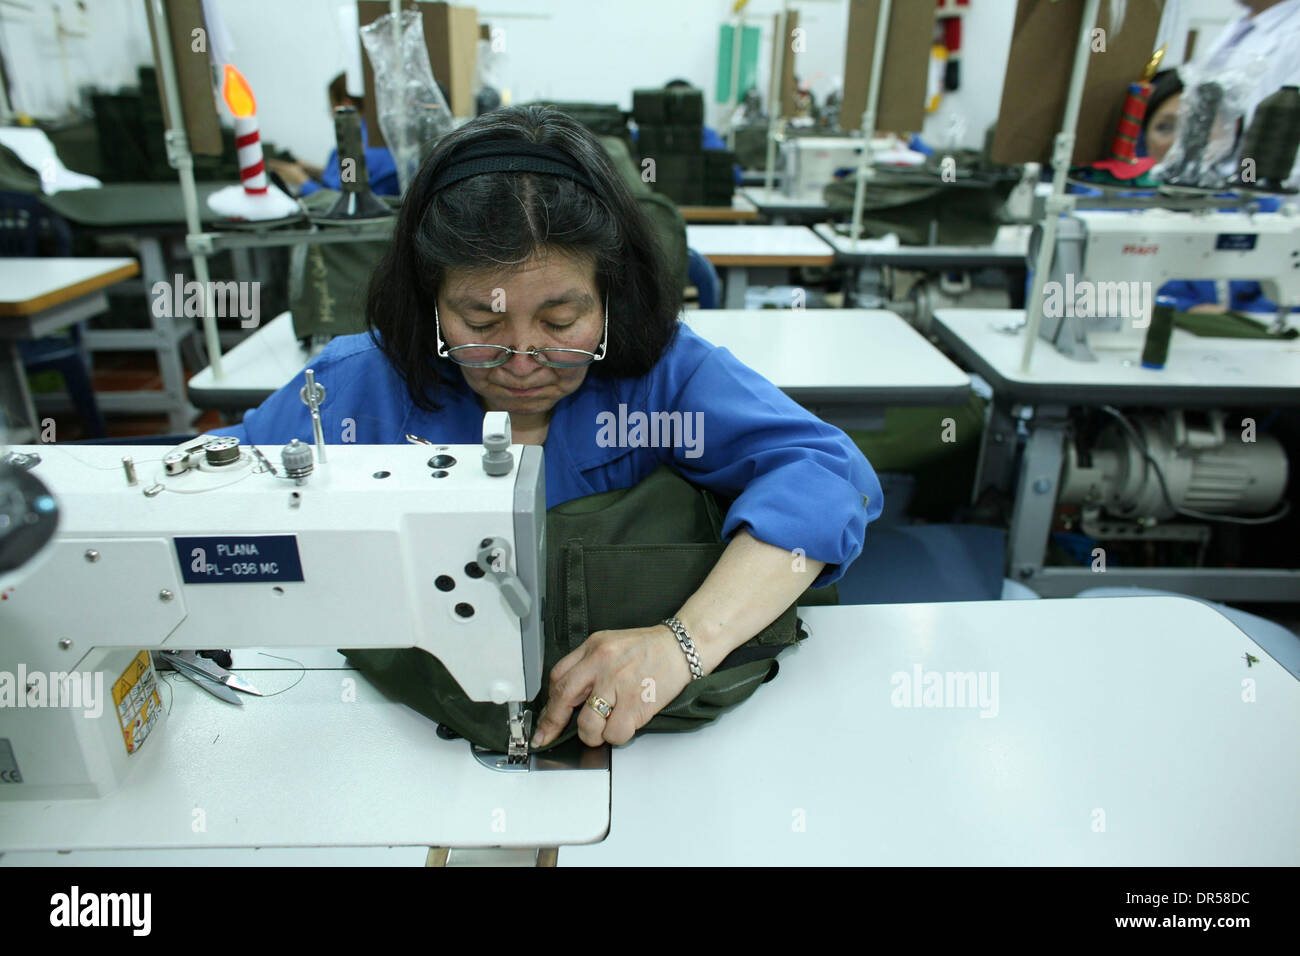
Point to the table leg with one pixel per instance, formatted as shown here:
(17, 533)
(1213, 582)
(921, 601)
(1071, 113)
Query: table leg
(15, 397)
(1036, 491)
(168, 333)
(997, 456)
(737, 282)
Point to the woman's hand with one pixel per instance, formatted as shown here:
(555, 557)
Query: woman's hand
(637, 671)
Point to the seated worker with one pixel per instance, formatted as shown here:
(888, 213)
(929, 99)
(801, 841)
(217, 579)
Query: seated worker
(525, 279)
(306, 179)
(1159, 131)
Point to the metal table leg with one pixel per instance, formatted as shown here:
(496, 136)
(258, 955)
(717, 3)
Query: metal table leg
(1036, 491)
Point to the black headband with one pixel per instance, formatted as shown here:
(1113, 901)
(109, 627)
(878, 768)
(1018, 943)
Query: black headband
(511, 156)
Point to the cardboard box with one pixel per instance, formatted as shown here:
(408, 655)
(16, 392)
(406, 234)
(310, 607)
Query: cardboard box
(900, 108)
(451, 35)
(1038, 78)
(787, 71)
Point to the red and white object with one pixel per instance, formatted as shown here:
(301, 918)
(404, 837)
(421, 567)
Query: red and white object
(256, 198)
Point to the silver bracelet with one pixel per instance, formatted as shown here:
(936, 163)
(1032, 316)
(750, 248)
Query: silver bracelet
(688, 646)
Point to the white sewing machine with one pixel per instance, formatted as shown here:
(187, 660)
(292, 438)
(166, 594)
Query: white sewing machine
(1108, 267)
(212, 545)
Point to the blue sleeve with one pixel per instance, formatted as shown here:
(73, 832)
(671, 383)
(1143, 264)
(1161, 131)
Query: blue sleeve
(709, 139)
(798, 482)
(1189, 293)
(382, 170)
(365, 402)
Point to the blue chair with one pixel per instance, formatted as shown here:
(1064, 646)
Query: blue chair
(702, 275)
(24, 223)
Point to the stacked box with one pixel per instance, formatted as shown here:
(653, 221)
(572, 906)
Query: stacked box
(670, 130)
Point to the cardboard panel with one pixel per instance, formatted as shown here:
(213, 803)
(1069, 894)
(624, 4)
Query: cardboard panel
(451, 35)
(193, 75)
(1038, 78)
(787, 71)
(901, 105)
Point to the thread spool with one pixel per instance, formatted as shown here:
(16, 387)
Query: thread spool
(1155, 350)
(1272, 141)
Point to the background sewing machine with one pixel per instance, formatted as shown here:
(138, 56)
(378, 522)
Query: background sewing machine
(216, 546)
(1114, 263)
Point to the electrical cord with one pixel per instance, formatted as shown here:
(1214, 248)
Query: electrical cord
(1149, 463)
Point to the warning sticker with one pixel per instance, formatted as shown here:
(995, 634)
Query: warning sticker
(9, 772)
(139, 707)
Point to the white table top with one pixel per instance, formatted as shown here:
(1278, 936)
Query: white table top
(877, 356)
(863, 354)
(1131, 708)
(1207, 370)
(305, 768)
(777, 243)
(1011, 246)
(776, 199)
(28, 285)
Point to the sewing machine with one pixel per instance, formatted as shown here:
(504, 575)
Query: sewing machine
(212, 545)
(1108, 267)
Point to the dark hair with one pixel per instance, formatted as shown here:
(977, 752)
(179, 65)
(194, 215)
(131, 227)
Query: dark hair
(338, 90)
(1164, 85)
(498, 221)
(679, 84)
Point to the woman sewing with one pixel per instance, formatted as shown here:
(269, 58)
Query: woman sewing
(522, 278)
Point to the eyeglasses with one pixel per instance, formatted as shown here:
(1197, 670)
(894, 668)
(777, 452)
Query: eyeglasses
(491, 356)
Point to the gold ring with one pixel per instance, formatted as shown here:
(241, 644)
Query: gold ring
(601, 706)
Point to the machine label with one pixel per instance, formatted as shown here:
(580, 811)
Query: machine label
(9, 772)
(1236, 241)
(239, 560)
(135, 694)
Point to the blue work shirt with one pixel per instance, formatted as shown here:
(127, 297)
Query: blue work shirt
(798, 482)
(380, 168)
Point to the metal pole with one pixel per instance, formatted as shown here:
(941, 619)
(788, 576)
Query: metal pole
(737, 37)
(1058, 202)
(178, 154)
(776, 99)
(869, 117)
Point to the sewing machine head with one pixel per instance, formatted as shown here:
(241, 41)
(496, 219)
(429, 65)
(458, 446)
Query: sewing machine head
(1108, 267)
(212, 545)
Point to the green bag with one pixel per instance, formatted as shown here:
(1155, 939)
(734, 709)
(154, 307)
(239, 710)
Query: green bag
(618, 559)
(665, 218)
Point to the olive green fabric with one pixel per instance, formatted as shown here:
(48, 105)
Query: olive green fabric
(665, 218)
(329, 280)
(618, 559)
(1227, 325)
(966, 205)
(938, 446)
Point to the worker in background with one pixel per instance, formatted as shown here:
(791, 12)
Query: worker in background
(305, 179)
(1270, 29)
(1266, 36)
(524, 278)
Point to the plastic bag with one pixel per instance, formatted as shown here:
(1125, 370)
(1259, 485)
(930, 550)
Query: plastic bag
(412, 112)
(1209, 111)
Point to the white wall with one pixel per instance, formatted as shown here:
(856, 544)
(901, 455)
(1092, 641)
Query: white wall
(558, 49)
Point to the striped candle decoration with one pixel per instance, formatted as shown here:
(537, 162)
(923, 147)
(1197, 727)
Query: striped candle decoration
(1124, 145)
(248, 141)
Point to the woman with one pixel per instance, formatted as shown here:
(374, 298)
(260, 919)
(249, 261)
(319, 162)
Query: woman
(518, 238)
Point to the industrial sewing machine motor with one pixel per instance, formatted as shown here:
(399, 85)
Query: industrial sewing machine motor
(213, 546)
